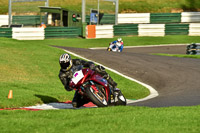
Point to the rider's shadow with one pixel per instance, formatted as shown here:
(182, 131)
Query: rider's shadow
(46, 99)
(53, 103)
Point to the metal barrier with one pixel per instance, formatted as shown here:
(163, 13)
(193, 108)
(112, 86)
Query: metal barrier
(6, 32)
(3, 20)
(33, 20)
(62, 32)
(194, 29)
(107, 19)
(103, 19)
(163, 18)
(151, 29)
(104, 31)
(91, 31)
(125, 29)
(190, 17)
(28, 33)
(127, 18)
(176, 29)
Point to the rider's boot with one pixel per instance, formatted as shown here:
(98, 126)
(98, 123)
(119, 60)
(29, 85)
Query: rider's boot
(115, 92)
(78, 100)
(112, 83)
(75, 100)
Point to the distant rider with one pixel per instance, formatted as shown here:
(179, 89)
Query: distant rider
(117, 44)
(67, 64)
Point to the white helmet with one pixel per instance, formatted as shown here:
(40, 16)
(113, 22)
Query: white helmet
(119, 39)
(65, 62)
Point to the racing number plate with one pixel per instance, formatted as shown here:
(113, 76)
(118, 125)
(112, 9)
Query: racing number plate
(77, 76)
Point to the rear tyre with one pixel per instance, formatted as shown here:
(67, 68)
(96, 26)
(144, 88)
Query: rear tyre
(98, 98)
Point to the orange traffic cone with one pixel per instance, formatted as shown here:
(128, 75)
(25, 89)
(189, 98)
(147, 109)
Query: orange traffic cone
(10, 94)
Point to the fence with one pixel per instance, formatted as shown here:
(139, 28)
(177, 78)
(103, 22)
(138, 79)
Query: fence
(125, 29)
(62, 32)
(162, 18)
(165, 18)
(107, 31)
(143, 28)
(176, 29)
(151, 29)
(127, 18)
(6, 32)
(90, 31)
(123, 18)
(3, 20)
(39, 33)
(103, 19)
(28, 20)
(28, 33)
(194, 29)
(104, 31)
(190, 17)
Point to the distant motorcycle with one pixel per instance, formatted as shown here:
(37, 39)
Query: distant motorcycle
(193, 49)
(114, 47)
(95, 88)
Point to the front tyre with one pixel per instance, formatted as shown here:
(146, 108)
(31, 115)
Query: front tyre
(109, 49)
(97, 97)
(121, 100)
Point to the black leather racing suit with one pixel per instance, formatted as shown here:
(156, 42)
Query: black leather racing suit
(65, 77)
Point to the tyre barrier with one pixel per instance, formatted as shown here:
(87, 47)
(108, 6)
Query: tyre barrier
(193, 49)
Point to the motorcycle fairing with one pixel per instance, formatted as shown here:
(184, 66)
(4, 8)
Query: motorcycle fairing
(103, 82)
(99, 80)
(77, 76)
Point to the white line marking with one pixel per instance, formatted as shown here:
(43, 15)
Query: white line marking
(153, 92)
(55, 106)
(51, 106)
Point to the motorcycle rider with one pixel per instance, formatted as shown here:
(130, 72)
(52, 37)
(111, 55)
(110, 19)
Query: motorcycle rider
(117, 43)
(65, 75)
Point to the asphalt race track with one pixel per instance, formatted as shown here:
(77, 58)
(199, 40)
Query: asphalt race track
(177, 80)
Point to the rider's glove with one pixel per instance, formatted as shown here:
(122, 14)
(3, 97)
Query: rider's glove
(92, 66)
(99, 68)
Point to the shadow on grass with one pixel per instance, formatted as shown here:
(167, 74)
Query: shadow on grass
(191, 5)
(46, 99)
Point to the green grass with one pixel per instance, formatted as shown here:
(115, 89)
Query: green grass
(128, 41)
(104, 120)
(143, 6)
(30, 69)
(179, 55)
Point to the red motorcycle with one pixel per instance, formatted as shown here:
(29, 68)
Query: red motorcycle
(95, 88)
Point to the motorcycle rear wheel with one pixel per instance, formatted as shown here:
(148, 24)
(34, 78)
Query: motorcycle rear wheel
(98, 98)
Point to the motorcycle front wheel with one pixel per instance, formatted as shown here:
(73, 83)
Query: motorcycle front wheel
(97, 97)
(121, 99)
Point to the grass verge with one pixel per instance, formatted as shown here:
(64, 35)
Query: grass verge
(180, 55)
(128, 41)
(108, 120)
